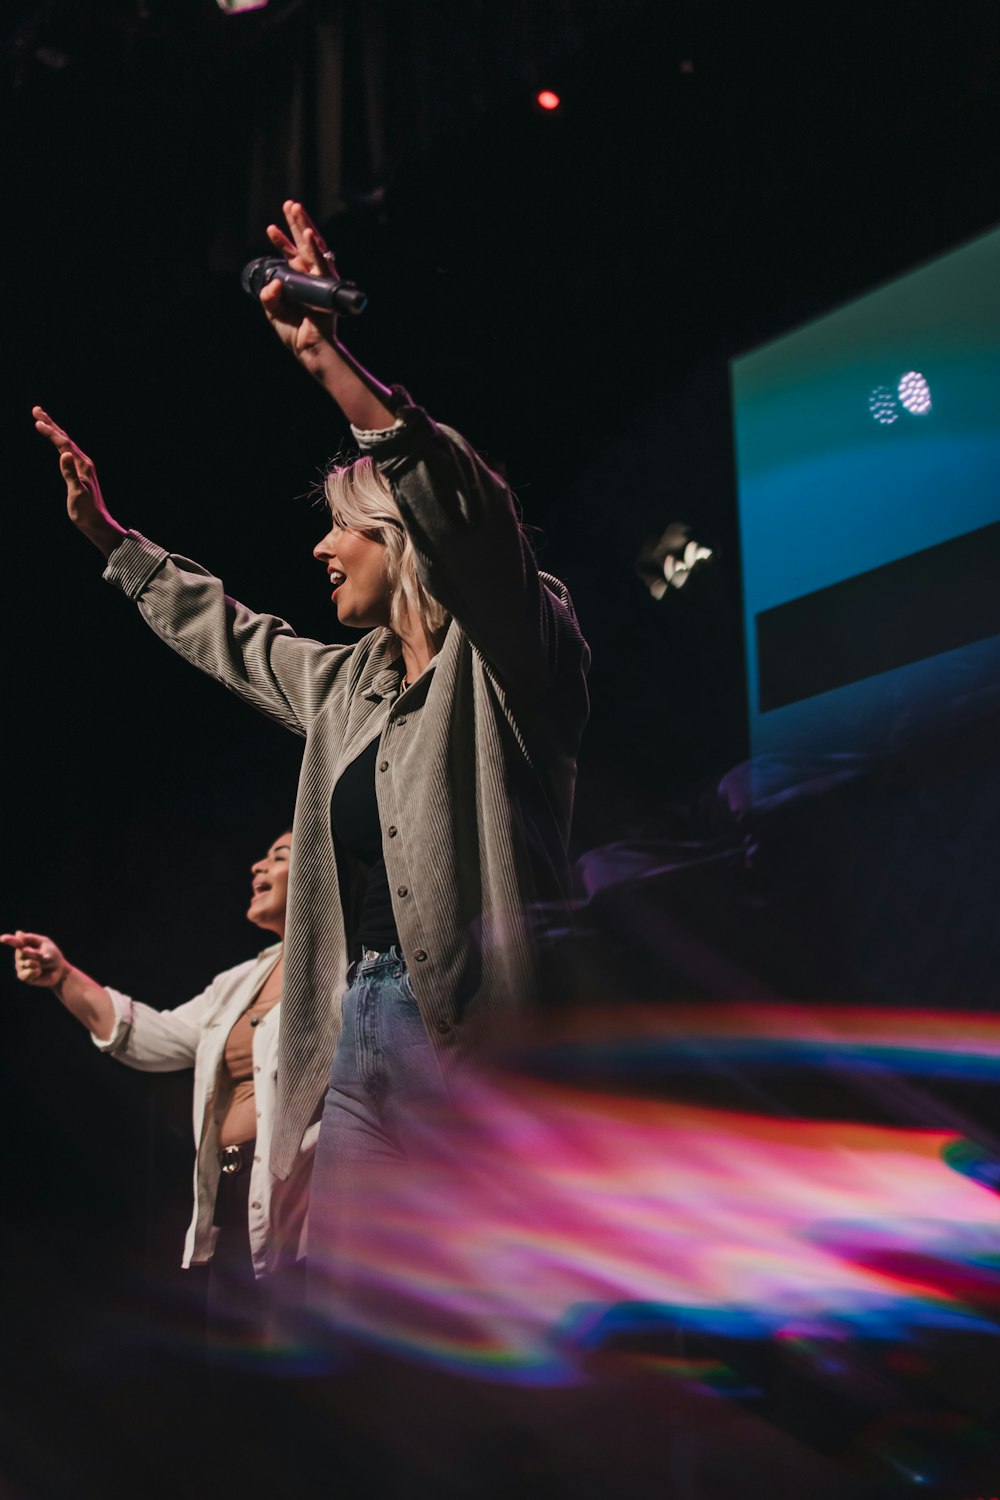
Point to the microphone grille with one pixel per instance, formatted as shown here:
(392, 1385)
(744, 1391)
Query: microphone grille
(257, 273)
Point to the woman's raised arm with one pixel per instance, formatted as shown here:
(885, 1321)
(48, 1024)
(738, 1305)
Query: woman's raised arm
(472, 552)
(312, 336)
(257, 656)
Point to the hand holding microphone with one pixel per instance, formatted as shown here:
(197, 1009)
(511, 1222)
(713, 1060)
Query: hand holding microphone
(321, 293)
(301, 295)
(299, 289)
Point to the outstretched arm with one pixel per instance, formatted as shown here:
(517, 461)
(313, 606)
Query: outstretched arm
(257, 656)
(38, 961)
(154, 1041)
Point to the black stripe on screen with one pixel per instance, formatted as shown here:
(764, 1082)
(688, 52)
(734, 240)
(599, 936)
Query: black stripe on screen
(932, 601)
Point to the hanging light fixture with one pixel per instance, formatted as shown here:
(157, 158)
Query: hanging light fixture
(667, 562)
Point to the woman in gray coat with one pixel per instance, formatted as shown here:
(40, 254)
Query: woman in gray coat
(436, 789)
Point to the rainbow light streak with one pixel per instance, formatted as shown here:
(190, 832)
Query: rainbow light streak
(543, 1216)
(958, 1045)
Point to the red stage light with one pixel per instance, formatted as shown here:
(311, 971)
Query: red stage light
(546, 99)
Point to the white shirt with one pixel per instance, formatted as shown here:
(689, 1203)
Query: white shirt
(195, 1035)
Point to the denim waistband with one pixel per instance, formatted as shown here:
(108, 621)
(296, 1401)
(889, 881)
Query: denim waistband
(367, 965)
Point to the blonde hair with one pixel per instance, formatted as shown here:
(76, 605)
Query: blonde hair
(361, 500)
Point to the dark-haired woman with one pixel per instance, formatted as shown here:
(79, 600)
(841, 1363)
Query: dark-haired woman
(245, 1222)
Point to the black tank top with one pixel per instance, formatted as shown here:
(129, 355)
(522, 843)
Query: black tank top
(354, 814)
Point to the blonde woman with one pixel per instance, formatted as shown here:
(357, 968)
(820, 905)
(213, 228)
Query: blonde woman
(440, 751)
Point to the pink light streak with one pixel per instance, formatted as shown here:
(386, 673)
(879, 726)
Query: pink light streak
(538, 1205)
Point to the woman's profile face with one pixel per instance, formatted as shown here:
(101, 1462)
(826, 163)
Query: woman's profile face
(355, 564)
(270, 887)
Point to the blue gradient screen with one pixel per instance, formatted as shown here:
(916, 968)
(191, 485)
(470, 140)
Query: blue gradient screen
(868, 468)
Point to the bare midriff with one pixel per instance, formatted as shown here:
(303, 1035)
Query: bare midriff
(240, 1121)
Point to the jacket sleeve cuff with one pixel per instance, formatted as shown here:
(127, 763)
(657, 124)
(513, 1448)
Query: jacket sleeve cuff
(387, 442)
(123, 1021)
(370, 437)
(133, 563)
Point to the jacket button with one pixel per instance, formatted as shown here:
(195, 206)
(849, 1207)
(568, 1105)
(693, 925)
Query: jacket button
(420, 955)
(401, 722)
(383, 765)
(402, 890)
(255, 1205)
(392, 830)
(443, 1026)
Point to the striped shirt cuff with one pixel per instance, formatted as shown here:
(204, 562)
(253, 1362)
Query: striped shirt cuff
(384, 438)
(133, 563)
(370, 437)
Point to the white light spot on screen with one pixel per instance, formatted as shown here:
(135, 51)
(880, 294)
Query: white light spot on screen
(883, 405)
(915, 393)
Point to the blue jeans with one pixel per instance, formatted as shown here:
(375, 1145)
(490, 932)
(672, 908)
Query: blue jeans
(386, 1088)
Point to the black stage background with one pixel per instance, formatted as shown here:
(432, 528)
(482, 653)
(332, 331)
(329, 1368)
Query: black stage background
(566, 290)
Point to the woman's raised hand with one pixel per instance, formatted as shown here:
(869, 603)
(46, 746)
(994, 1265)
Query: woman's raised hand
(84, 501)
(312, 336)
(37, 960)
(304, 330)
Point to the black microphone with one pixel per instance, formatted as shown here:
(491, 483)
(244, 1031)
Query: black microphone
(326, 293)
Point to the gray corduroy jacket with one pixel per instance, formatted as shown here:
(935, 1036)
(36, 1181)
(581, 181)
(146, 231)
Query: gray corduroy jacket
(476, 765)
